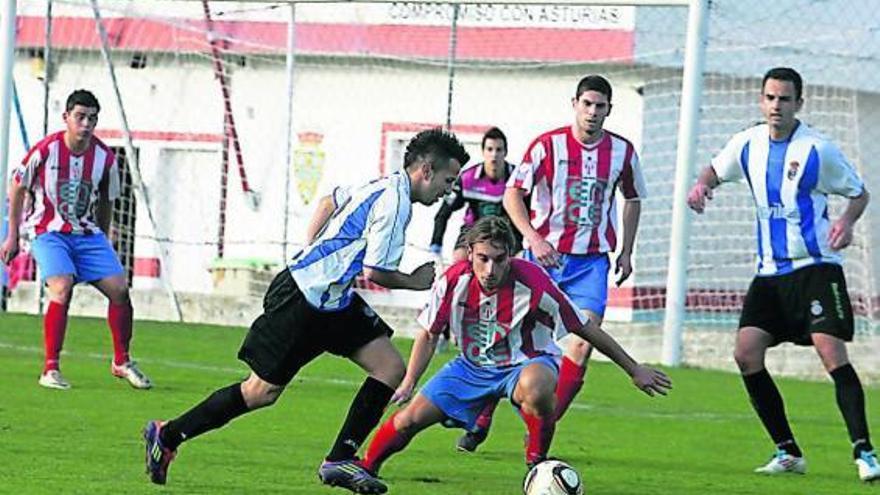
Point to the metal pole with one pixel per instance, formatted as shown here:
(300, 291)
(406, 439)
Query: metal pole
(691, 93)
(224, 192)
(253, 199)
(7, 58)
(133, 158)
(288, 140)
(47, 60)
(453, 44)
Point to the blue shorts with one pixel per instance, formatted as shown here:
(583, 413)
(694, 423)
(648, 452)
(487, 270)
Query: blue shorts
(460, 389)
(88, 258)
(583, 278)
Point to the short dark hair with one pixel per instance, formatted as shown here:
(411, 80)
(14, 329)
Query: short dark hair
(82, 97)
(596, 83)
(435, 146)
(492, 229)
(785, 74)
(493, 133)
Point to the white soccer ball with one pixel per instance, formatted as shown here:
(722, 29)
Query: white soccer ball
(553, 477)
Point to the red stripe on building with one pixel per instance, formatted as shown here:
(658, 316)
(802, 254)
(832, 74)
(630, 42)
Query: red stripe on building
(193, 137)
(654, 298)
(414, 127)
(147, 267)
(252, 37)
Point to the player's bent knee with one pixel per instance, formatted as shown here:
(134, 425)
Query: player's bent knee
(258, 393)
(404, 423)
(536, 390)
(536, 403)
(832, 354)
(120, 294)
(578, 350)
(60, 289)
(748, 360)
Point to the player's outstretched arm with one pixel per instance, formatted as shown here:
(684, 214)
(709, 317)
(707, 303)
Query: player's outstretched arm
(9, 247)
(646, 379)
(702, 189)
(421, 354)
(420, 279)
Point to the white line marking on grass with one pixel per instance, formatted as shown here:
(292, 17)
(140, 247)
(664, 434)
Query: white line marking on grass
(171, 364)
(616, 411)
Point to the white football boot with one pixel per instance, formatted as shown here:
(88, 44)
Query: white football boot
(53, 379)
(869, 467)
(782, 462)
(132, 373)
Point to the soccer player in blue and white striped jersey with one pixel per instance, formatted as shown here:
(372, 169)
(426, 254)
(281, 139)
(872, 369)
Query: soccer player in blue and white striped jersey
(310, 308)
(799, 293)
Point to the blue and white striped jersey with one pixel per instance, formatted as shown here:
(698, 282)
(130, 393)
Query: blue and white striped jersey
(790, 182)
(366, 230)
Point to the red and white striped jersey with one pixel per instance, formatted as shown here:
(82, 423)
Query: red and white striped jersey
(65, 186)
(522, 319)
(572, 188)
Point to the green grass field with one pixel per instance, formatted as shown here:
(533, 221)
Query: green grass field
(702, 439)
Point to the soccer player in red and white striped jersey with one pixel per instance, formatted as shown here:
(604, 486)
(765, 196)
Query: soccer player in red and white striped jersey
(507, 314)
(71, 178)
(571, 175)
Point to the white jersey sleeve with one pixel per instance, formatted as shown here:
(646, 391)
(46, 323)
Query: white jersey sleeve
(529, 171)
(26, 172)
(385, 232)
(435, 316)
(728, 163)
(340, 196)
(836, 174)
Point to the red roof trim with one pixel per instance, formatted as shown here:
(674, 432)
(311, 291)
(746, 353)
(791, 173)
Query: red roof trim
(246, 37)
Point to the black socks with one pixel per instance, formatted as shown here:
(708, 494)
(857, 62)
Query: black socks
(768, 404)
(851, 401)
(363, 415)
(212, 413)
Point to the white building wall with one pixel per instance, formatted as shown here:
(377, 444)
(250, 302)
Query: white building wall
(345, 100)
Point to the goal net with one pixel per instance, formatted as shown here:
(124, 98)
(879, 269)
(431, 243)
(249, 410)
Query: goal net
(232, 170)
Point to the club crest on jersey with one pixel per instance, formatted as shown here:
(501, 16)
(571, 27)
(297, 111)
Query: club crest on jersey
(73, 199)
(792, 170)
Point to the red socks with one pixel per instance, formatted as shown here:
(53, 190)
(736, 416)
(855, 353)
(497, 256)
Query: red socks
(119, 318)
(54, 328)
(484, 420)
(571, 379)
(540, 435)
(387, 442)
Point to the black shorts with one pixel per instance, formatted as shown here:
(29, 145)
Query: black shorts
(291, 332)
(793, 306)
